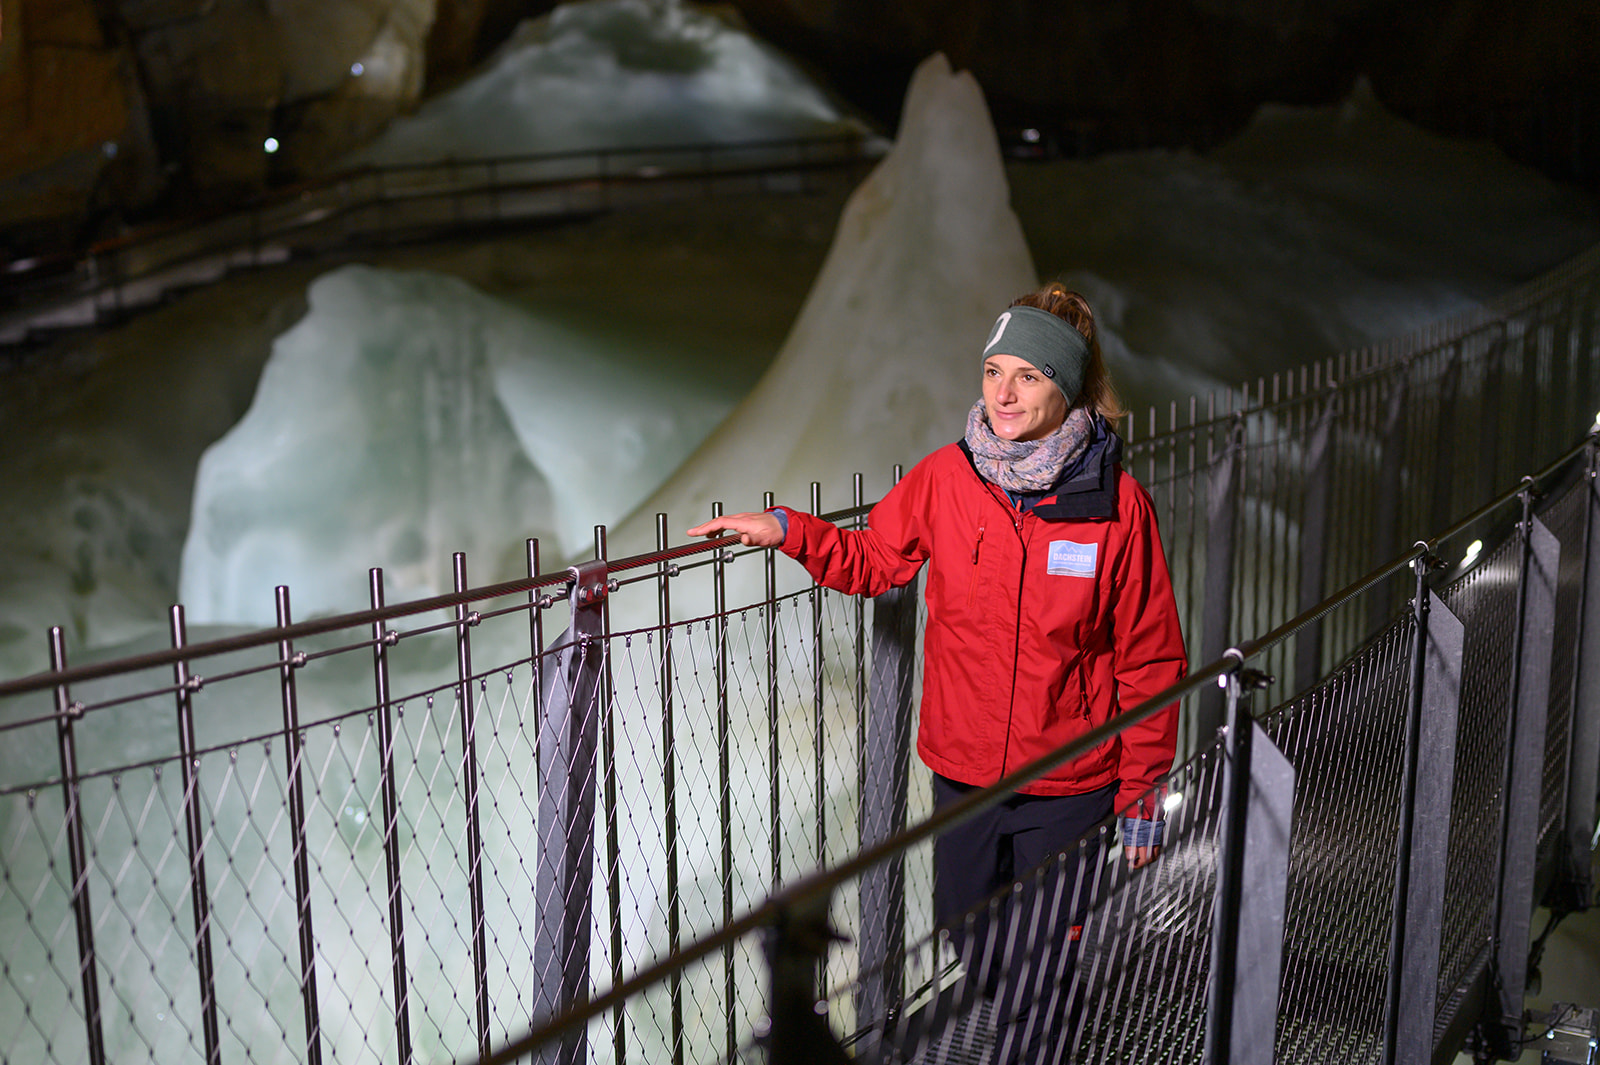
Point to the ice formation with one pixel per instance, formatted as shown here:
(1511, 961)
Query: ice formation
(408, 416)
(615, 73)
(882, 363)
(1315, 230)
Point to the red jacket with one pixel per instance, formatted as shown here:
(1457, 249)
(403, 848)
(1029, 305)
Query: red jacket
(1040, 623)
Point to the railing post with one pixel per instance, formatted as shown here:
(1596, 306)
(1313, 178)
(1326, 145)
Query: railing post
(1583, 779)
(669, 787)
(886, 755)
(568, 749)
(796, 949)
(1422, 844)
(818, 688)
(857, 496)
(1524, 767)
(608, 772)
(382, 640)
(195, 832)
(1444, 427)
(293, 750)
(769, 617)
(1385, 522)
(538, 603)
(1253, 865)
(469, 772)
(719, 596)
(67, 713)
(1217, 616)
(1316, 474)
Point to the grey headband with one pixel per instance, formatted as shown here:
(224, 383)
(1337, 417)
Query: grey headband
(1044, 341)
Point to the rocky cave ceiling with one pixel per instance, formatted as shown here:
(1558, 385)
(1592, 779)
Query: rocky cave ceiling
(126, 105)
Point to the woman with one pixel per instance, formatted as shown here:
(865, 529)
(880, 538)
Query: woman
(1050, 609)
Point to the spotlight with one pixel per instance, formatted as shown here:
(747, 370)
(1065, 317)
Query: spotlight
(356, 70)
(270, 145)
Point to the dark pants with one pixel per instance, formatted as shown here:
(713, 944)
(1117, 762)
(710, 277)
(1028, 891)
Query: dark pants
(1019, 951)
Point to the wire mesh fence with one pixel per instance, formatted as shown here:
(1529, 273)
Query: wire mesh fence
(1134, 985)
(420, 832)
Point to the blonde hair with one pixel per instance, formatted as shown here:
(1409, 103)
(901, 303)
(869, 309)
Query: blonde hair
(1097, 392)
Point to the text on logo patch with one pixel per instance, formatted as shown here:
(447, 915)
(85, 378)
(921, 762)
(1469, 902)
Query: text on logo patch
(1069, 559)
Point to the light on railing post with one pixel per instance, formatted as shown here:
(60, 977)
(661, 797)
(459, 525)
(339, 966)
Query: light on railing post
(1519, 819)
(1230, 862)
(1221, 507)
(1252, 864)
(1427, 782)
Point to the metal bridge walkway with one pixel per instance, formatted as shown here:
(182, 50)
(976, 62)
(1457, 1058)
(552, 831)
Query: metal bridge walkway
(664, 808)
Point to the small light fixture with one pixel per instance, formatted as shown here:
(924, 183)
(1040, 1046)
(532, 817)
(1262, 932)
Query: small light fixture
(356, 70)
(1474, 549)
(1031, 136)
(270, 145)
(109, 149)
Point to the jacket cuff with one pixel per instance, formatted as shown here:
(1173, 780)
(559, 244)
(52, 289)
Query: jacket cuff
(1138, 832)
(783, 519)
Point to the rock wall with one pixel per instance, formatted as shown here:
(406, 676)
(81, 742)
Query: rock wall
(111, 106)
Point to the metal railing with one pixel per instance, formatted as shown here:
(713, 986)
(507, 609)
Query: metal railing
(388, 205)
(422, 831)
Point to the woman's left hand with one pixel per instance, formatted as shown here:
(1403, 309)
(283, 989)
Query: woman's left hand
(1139, 857)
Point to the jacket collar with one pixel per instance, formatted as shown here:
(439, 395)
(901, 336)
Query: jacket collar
(1088, 489)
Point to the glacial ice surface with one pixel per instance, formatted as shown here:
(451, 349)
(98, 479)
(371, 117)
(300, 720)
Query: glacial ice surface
(614, 73)
(409, 416)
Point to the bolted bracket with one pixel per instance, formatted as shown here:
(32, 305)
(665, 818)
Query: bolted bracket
(590, 585)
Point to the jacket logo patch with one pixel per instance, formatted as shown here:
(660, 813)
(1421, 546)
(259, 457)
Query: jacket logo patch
(1068, 559)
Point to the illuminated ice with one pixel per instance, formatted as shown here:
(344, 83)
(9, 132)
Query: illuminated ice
(409, 416)
(881, 363)
(615, 73)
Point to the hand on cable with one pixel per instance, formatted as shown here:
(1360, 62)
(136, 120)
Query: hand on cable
(753, 529)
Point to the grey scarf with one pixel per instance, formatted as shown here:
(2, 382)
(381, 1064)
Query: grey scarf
(1028, 465)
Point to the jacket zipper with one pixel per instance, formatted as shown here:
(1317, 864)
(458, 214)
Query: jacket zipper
(972, 586)
(1016, 650)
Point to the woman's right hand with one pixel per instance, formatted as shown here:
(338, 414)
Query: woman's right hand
(754, 529)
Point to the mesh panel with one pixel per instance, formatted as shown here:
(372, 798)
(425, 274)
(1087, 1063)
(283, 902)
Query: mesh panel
(1485, 602)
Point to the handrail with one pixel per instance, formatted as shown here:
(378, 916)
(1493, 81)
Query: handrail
(819, 884)
(1372, 361)
(45, 681)
(35, 264)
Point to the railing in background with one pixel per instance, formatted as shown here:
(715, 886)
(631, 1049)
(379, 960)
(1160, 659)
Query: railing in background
(392, 852)
(1294, 485)
(394, 204)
